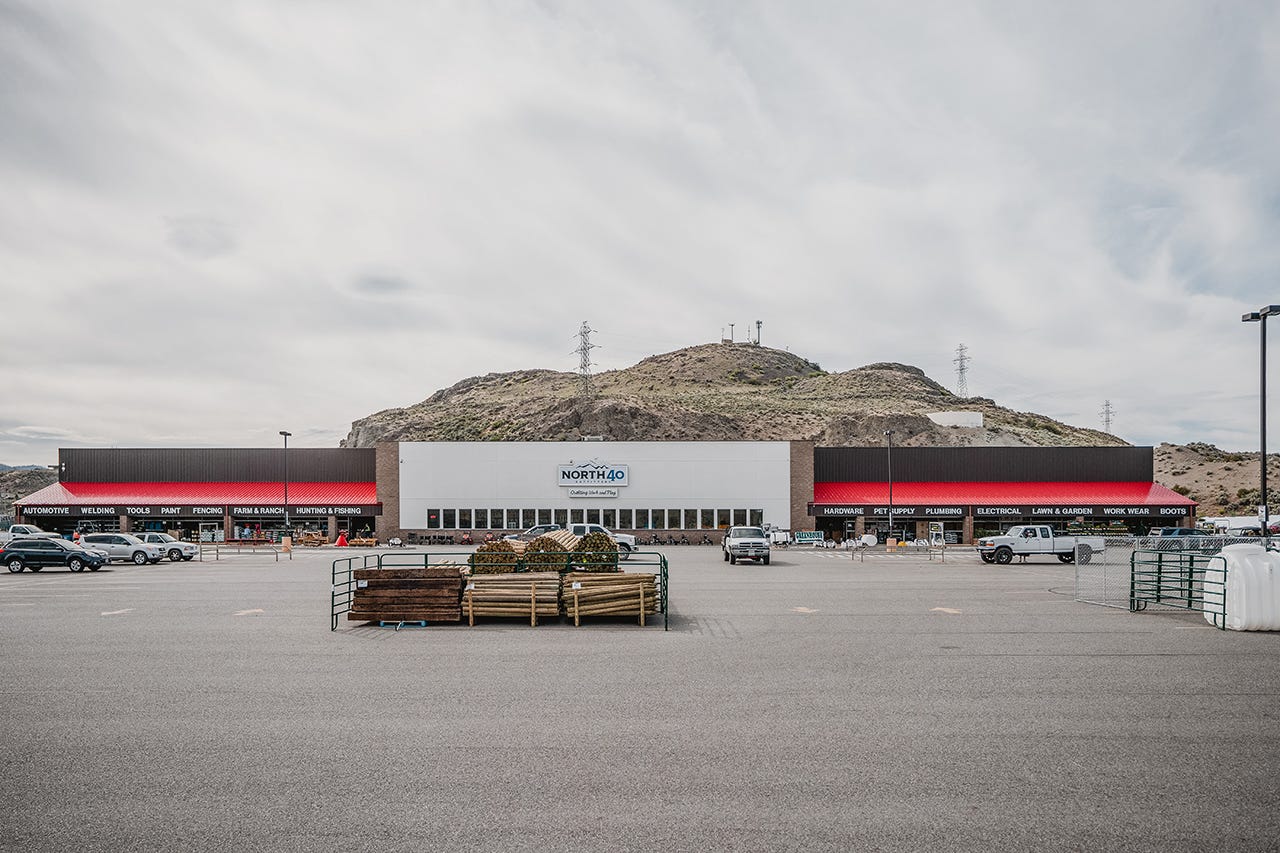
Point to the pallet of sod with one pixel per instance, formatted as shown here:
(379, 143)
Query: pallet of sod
(420, 594)
(530, 594)
(610, 594)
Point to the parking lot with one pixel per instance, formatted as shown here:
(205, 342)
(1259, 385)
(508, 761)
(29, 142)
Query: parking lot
(818, 703)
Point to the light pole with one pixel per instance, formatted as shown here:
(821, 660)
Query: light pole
(888, 434)
(1260, 316)
(286, 435)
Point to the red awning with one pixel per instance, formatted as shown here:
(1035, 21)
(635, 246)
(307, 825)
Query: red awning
(183, 494)
(1132, 494)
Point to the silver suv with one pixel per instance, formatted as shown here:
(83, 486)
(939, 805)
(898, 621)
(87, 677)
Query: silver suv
(123, 547)
(174, 549)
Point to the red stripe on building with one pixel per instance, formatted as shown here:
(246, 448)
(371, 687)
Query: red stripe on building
(252, 494)
(999, 493)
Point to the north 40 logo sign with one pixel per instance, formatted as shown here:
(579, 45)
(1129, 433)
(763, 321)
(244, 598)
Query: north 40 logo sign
(592, 473)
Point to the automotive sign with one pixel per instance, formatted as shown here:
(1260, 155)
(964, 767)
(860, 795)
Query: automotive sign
(591, 473)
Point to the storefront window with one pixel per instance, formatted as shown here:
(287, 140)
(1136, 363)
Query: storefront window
(690, 519)
(624, 519)
(464, 519)
(609, 518)
(642, 519)
(433, 518)
(658, 519)
(450, 519)
(593, 516)
(708, 519)
(513, 519)
(562, 517)
(722, 518)
(757, 517)
(575, 516)
(544, 516)
(495, 519)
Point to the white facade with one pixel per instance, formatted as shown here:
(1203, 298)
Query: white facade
(624, 484)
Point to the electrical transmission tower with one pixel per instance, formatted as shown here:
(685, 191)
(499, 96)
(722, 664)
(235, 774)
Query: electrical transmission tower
(961, 361)
(586, 388)
(1107, 414)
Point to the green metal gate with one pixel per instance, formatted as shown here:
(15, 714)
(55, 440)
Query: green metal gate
(1184, 580)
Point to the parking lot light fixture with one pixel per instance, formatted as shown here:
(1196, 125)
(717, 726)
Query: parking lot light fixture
(1260, 316)
(286, 435)
(888, 435)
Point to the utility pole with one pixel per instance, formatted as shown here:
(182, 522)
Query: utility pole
(1107, 413)
(586, 388)
(961, 361)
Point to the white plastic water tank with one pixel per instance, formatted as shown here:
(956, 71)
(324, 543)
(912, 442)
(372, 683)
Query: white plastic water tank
(1253, 589)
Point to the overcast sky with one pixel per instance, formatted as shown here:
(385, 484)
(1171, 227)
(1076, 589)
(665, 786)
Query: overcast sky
(223, 219)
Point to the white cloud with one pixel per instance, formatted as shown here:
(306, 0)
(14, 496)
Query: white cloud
(279, 215)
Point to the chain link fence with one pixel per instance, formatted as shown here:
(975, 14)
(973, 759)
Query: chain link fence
(1105, 579)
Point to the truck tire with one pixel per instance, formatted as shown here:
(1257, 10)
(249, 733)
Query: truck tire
(726, 556)
(764, 560)
(1086, 554)
(987, 558)
(1004, 556)
(733, 560)
(624, 550)
(1066, 558)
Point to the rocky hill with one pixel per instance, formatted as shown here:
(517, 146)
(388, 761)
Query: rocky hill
(714, 392)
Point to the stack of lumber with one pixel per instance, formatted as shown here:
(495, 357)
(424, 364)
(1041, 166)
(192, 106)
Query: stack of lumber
(365, 542)
(610, 594)
(518, 547)
(530, 594)
(495, 558)
(312, 538)
(418, 594)
(567, 541)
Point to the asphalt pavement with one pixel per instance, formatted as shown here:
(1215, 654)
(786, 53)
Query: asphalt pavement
(818, 703)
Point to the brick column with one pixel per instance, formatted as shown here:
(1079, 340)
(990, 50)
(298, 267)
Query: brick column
(387, 474)
(801, 485)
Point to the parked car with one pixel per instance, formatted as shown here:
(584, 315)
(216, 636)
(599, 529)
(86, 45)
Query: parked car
(174, 549)
(1185, 539)
(746, 543)
(19, 531)
(124, 547)
(37, 553)
(533, 532)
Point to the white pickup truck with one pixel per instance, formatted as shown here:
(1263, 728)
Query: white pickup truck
(25, 531)
(1032, 539)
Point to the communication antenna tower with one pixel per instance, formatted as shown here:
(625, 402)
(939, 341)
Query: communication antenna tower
(731, 325)
(961, 361)
(1107, 414)
(759, 323)
(586, 388)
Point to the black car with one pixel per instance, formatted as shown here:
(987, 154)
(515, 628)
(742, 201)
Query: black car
(1186, 539)
(36, 554)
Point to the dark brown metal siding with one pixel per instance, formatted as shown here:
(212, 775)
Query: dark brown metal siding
(985, 464)
(217, 465)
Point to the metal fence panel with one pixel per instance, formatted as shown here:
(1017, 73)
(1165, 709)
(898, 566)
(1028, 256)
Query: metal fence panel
(1105, 579)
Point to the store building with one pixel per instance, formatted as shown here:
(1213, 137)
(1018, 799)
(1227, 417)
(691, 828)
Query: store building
(974, 491)
(406, 488)
(629, 486)
(215, 494)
